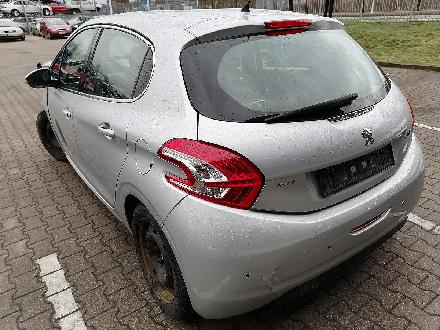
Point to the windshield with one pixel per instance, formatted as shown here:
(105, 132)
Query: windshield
(55, 21)
(7, 24)
(247, 77)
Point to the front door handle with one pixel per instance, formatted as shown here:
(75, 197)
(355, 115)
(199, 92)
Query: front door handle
(105, 130)
(67, 113)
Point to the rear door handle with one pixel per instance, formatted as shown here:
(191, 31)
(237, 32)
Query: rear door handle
(105, 130)
(67, 113)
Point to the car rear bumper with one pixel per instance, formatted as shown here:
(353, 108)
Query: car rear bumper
(57, 34)
(234, 261)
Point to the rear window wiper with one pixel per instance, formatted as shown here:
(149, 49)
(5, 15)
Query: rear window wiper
(284, 116)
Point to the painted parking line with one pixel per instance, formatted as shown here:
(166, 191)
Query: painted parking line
(425, 224)
(59, 293)
(432, 128)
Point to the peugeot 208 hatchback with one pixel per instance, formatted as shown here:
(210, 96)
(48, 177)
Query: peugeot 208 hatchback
(246, 152)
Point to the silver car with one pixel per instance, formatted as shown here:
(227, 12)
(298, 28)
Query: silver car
(246, 152)
(24, 23)
(34, 26)
(20, 7)
(10, 30)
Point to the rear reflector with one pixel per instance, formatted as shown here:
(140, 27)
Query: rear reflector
(287, 24)
(213, 173)
(412, 114)
(359, 228)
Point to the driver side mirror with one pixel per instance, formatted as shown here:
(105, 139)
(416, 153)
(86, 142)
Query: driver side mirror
(39, 78)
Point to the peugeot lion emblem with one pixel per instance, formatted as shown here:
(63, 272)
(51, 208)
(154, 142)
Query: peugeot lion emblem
(368, 135)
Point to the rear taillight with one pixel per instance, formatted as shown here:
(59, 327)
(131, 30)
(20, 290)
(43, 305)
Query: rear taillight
(285, 24)
(213, 173)
(412, 114)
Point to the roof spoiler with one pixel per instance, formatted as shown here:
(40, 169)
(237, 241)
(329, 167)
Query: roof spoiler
(245, 8)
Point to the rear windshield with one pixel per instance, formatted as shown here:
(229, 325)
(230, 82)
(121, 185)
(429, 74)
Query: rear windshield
(242, 78)
(55, 21)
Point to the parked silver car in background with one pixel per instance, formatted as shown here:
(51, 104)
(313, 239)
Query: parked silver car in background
(19, 7)
(34, 26)
(23, 23)
(76, 21)
(246, 152)
(10, 30)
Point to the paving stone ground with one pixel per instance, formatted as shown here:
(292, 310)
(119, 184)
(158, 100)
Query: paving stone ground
(45, 209)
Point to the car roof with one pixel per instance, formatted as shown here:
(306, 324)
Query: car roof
(181, 26)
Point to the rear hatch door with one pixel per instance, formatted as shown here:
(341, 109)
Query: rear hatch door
(312, 156)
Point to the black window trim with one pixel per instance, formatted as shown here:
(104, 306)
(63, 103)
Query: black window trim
(91, 52)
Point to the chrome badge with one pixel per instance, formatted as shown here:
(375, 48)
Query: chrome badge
(367, 134)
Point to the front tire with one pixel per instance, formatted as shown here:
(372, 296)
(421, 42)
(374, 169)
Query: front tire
(46, 12)
(48, 138)
(159, 265)
(15, 13)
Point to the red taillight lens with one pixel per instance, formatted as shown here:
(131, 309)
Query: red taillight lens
(284, 32)
(213, 173)
(287, 24)
(412, 114)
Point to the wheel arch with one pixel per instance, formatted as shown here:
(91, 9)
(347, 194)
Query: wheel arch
(127, 197)
(130, 204)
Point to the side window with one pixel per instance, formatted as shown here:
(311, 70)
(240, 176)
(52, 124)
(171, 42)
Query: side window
(115, 67)
(73, 71)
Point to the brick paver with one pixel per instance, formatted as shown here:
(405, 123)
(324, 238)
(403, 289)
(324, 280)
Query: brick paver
(45, 209)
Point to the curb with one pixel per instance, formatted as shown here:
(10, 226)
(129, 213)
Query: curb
(410, 66)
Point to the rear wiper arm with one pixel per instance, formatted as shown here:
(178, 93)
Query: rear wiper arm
(331, 104)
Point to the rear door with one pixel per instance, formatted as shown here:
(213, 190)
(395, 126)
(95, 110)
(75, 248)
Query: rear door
(101, 120)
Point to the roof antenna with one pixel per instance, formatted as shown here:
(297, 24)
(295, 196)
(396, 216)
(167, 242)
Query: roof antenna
(245, 8)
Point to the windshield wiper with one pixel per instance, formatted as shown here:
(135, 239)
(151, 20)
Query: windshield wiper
(284, 116)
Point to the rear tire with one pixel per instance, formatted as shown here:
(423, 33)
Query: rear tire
(159, 265)
(15, 13)
(48, 138)
(46, 12)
